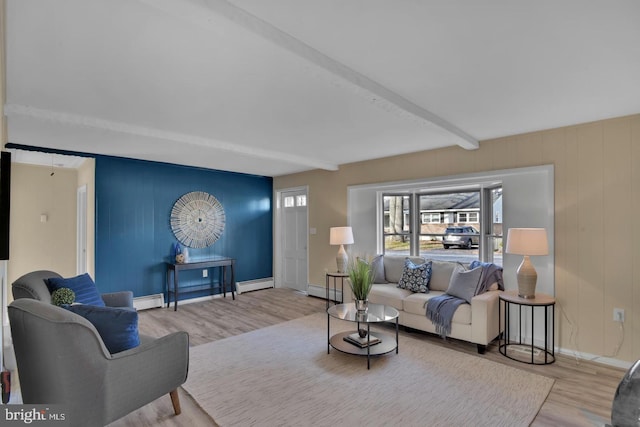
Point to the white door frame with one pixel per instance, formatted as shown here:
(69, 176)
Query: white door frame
(277, 234)
(81, 224)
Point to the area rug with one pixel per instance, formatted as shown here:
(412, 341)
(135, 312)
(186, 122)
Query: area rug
(282, 376)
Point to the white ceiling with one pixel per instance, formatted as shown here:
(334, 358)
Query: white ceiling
(281, 86)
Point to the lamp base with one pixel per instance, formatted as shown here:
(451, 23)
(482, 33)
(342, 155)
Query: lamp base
(527, 278)
(341, 260)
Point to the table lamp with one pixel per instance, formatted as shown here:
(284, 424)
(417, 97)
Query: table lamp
(341, 236)
(527, 242)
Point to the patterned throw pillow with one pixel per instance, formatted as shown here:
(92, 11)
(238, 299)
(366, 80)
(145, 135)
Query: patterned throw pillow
(415, 278)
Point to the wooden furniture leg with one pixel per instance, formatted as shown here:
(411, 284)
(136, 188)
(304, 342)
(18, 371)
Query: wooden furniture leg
(175, 401)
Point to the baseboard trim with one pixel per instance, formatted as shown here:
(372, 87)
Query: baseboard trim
(588, 357)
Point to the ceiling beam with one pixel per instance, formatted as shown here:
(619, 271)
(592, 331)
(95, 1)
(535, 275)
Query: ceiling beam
(12, 110)
(340, 74)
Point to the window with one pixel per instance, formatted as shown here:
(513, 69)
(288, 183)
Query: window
(495, 233)
(468, 217)
(442, 225)
(446, 239)
(431, 218)
(293, 201)
(289, 202)
(397, 223)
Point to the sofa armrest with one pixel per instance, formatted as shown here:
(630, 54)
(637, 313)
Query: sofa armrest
(118, 299)
(484, 317)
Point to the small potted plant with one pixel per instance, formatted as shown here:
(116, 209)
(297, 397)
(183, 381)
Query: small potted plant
(360, 280)
(63, 296)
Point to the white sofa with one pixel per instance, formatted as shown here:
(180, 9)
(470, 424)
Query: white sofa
(477, 322)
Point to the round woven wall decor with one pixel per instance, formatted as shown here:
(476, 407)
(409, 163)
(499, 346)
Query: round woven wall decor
(197, 219)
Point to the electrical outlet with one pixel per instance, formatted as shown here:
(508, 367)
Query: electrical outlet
(205, 273)
(618, 315)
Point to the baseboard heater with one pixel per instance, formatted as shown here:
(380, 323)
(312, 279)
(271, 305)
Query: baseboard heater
(254, 285)
(321, 292)
(148, 301)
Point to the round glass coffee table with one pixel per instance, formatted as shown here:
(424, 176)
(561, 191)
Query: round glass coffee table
(362, 342)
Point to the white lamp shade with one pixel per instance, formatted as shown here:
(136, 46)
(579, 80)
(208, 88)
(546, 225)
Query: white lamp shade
(340, 236)
(527, 241)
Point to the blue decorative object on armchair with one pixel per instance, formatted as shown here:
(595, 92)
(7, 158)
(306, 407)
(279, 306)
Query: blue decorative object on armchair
(118, 327)
(82, 285)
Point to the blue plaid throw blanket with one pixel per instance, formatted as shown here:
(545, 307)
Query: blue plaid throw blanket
(440, 309)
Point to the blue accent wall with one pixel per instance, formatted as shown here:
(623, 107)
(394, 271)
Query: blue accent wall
(133, 234)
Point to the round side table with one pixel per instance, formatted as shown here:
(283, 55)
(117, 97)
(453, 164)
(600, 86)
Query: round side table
(540, 355)
(335, 276)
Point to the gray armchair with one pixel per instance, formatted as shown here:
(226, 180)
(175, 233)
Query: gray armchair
(62, 360)
(32, 285)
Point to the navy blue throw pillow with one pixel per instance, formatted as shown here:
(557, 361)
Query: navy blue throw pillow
(82, 285)
(117, 327)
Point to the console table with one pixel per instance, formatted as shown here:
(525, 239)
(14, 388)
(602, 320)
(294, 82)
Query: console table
(223, 262)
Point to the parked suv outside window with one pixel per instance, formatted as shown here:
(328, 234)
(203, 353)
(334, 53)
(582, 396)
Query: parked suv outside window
(463, 237)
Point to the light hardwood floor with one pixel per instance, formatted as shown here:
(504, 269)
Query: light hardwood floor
(581, 395)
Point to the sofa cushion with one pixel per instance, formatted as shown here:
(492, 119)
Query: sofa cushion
(377, 268)
(415, 278)
(416, 303)
(464, 284)
(441, 272)
(82, 285)
(394, 266)
(117, 327)
(388, 294)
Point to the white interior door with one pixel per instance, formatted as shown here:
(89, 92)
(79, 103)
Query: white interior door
(294, 239)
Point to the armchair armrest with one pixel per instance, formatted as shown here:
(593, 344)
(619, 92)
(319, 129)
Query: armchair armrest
(118, 299)
(484, 317)
(144, 373)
